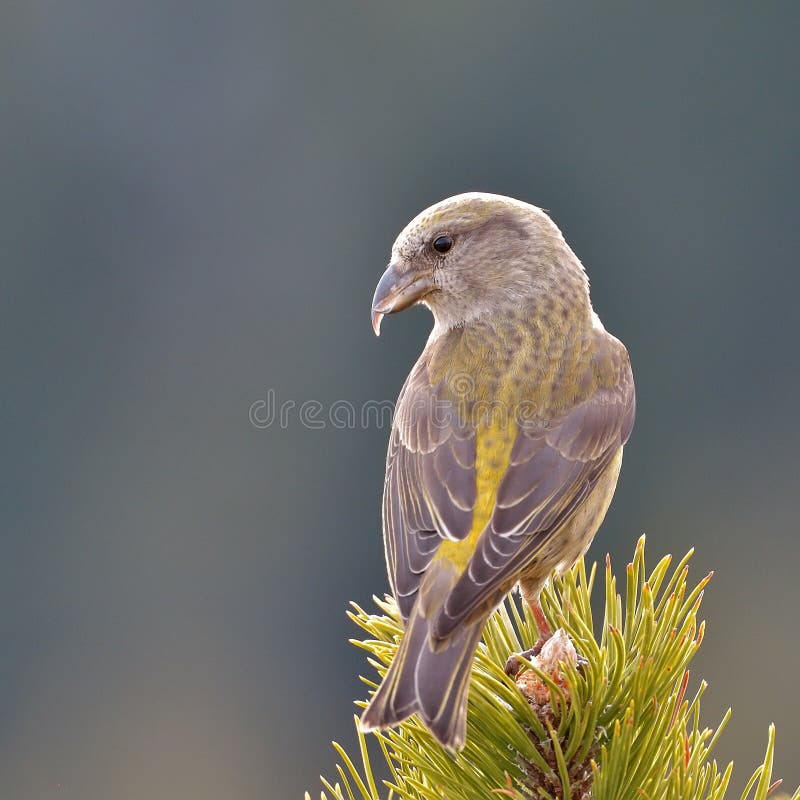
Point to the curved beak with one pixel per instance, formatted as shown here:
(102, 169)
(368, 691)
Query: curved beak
(396, 291)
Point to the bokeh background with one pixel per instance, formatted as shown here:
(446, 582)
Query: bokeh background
(197, 200)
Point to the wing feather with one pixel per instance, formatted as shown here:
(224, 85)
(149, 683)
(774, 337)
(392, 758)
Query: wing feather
(429, 493)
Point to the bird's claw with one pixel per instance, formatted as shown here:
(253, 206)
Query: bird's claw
(514, 663)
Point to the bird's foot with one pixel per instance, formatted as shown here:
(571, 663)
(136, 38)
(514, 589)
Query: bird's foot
(553, 655)
(514, 663)
(546, 654)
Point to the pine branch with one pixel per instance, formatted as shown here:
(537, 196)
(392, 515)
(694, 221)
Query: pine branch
(614, 724)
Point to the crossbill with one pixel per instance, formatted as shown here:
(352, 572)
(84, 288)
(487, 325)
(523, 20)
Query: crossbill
(506, 444)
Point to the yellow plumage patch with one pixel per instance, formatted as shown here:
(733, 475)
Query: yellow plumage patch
(494, 440)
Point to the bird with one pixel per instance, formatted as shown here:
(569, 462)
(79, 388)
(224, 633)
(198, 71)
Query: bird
(506, 441)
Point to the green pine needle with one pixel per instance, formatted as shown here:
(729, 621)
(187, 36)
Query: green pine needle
(618, 727)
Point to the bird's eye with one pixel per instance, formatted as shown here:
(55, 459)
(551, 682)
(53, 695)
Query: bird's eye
(441, 244)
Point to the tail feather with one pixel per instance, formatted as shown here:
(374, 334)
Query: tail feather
(433, 683)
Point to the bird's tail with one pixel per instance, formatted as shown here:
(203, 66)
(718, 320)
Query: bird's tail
(432, 682)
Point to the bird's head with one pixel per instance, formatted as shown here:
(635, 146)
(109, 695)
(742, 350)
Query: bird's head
(475, 254)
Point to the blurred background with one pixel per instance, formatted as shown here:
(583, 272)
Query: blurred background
(197, 201)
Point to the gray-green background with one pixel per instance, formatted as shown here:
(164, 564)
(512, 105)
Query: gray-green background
(197, 200)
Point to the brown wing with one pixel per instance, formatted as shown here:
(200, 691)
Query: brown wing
(551, 471)
(429, 494)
